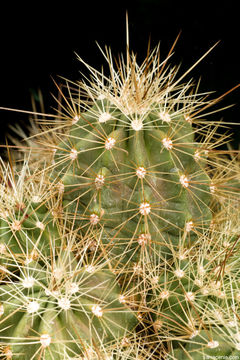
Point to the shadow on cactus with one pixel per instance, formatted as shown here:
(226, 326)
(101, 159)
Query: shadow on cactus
(120, 228)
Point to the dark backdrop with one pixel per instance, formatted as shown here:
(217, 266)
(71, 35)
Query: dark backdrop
(39, 42)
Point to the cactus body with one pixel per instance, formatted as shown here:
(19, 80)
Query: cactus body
(120, 239)
(62, 303)
(142, 185)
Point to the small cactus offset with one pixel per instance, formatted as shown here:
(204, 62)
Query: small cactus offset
(119, 228)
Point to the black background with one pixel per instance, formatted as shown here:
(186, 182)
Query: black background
(39, 42)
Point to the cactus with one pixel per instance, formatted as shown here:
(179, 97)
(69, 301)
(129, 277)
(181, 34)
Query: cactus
(129, 165)
(120, 228)
(52, 305)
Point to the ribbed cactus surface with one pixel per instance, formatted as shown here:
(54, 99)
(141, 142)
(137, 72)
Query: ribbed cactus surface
(137, 173)
(56, 306)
